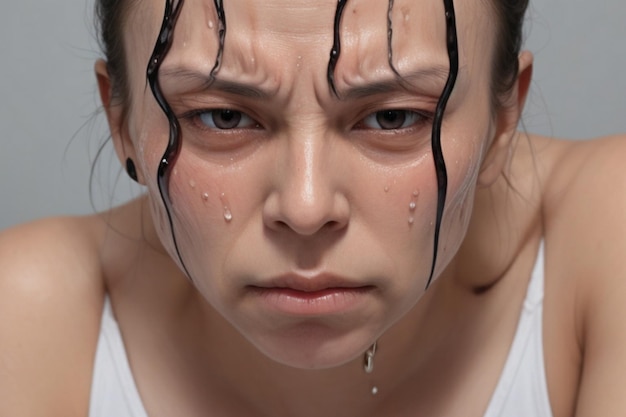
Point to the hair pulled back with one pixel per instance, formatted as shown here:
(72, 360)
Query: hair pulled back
(509, 17)
(110, 21)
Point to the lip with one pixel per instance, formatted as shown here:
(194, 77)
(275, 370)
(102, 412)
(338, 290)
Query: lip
(317, 295)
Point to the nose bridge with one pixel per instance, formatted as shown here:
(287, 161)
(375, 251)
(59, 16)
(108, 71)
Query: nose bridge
(305, 158)
(309, 197)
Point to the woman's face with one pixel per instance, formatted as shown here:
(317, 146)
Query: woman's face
(307, 220)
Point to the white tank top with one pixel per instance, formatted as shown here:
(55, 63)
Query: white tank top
(521, 391)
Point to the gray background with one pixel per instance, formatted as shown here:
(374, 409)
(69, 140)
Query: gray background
(48, 97)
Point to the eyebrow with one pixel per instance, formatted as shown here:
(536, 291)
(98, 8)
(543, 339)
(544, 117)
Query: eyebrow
(437, 74)
(206, 82)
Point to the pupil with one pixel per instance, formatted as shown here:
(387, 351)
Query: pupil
(227, 119)
(391, 119)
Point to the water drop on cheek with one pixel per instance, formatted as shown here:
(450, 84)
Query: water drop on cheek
(413, 206)
(210, 24)
(205, 197)
(228, 215)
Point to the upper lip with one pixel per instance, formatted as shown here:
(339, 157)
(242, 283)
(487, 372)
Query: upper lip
(312, 283)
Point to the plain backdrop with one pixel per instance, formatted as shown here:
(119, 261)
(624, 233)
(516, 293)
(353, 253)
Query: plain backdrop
(48, 97)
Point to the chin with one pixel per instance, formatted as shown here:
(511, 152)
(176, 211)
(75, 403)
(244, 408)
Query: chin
(313, 346)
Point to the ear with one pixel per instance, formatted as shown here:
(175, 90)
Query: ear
(507, 119)
(116, 118)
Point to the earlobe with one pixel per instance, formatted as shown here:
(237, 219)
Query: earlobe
(507, 120)
(116, 118)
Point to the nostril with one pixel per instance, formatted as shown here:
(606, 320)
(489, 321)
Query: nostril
(333, 225)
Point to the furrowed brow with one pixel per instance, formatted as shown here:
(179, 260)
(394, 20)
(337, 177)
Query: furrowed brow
(435, 77)
(202, 82)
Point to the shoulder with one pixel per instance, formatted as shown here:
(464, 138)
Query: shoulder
(51, 295)
(585, 197)
(585, 232)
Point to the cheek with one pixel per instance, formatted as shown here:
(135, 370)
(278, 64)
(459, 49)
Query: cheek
(463, 167)
(202, 217)
(216, 212)
(396, 209)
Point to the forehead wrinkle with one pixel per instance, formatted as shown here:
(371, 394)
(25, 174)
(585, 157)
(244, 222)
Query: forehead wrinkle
(365, 39)
(286, 17)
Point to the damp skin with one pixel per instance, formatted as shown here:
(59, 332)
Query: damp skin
(210, 174)
(440, 164)
(453, 58)
(335, 52)
(390, 39)
(174, 145)
(221, 34)
(164, 42)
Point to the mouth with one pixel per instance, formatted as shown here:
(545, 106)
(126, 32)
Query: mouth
(319, 295)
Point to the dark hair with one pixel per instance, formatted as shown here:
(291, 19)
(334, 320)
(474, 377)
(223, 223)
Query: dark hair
(509, 17)
(111, 17)
(110, 20)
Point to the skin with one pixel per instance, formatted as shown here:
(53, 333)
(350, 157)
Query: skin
(314, 188)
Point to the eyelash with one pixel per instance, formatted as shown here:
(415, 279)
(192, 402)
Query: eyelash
(205, 119)
(408, 119)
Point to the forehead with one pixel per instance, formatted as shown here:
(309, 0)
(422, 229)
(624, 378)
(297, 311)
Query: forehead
(268, 39)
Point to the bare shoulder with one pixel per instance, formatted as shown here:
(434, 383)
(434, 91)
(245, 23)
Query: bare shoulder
(585, 195)
(585, 223)
(51, 294)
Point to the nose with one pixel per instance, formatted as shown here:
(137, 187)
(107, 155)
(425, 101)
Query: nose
(307, 197)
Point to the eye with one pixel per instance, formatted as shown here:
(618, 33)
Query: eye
(392, 119)
(224, 119)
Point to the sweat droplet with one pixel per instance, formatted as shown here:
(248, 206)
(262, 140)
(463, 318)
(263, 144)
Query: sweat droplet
(411, 220)
(412, 206)
(192, 184)
(210, 24)
(387, 189)
(228, 215)
(205, 196)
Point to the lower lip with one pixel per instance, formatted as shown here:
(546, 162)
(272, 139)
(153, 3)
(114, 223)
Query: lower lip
(315, 303)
